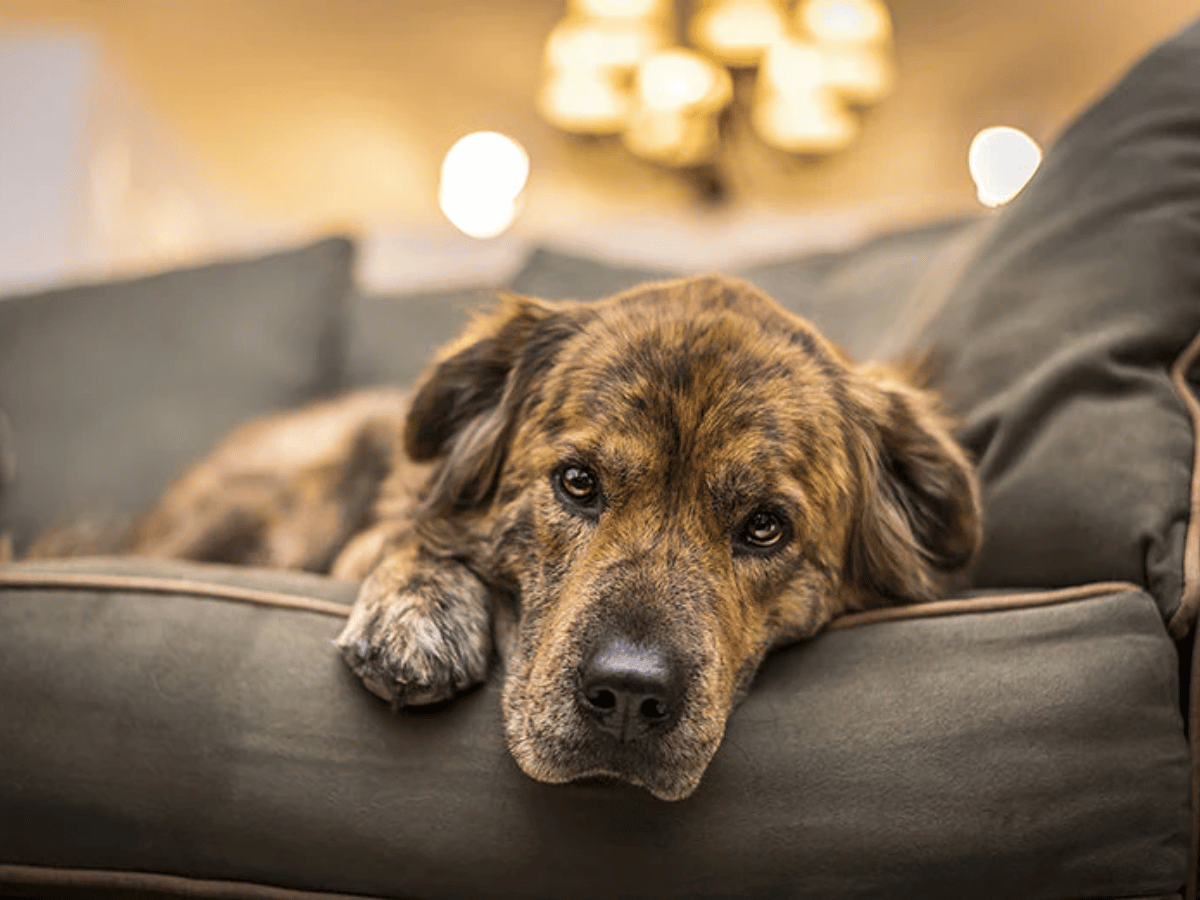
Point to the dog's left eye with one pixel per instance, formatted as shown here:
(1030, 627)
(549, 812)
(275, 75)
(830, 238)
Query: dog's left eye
(764, 530)
(578, 484)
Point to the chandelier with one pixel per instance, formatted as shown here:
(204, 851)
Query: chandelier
(657, 73)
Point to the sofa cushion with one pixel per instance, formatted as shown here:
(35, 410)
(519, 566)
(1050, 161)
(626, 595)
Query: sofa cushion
(555, 275)
(393, 336)
(861, 297)
(188, 730)
(110, 389)
(1066, 348)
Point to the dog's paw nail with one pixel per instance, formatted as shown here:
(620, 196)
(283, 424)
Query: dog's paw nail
(377, 687)
(423, 695)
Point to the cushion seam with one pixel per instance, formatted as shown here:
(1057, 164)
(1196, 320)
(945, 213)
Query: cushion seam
(1185, 615)
(158, 585)
(969, 605)
(177, 885)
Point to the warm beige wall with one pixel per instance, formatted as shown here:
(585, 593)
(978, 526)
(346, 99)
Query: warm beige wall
(338, 111)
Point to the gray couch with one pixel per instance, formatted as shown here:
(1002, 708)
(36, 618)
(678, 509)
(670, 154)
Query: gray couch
(171, 729)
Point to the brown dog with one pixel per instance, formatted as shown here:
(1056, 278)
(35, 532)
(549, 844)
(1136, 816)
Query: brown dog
(657, 489)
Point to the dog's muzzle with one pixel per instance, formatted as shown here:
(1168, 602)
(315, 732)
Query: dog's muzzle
(630, 691)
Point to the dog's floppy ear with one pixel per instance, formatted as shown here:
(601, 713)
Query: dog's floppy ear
(920, 522)
(464, 405)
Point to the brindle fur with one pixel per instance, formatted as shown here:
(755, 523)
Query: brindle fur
(695, 402)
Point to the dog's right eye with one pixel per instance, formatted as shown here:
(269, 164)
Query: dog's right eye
(578, 485)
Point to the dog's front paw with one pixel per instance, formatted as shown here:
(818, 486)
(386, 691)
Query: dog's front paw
(418, 637)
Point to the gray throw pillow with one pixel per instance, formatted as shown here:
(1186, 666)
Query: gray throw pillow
(1066, 348)
(393, 336)
(861, 298)
(553, 275)
(111, 389)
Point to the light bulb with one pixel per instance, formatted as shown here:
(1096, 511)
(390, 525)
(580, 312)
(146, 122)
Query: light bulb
(483, 176)
(1001, 161)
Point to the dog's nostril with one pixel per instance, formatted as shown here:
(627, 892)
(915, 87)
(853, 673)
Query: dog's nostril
(653, 709)
(602, 699)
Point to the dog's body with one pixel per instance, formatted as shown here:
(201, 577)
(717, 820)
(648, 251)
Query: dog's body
(657, 489)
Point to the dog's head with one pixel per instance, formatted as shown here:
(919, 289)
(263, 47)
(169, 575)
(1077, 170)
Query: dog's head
(673, 481)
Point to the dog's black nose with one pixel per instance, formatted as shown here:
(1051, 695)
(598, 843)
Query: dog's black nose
(629, 689)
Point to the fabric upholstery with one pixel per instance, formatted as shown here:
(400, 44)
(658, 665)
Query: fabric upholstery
(1056, 346)
(392, 337)
(1033, 752)
(860, 297)
(554, 275)
(111, 389)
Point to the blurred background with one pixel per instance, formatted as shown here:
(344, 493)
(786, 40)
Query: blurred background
(139, 134)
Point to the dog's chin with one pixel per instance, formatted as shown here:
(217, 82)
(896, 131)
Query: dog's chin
(671, 791)
(665, 775)
(661, 784)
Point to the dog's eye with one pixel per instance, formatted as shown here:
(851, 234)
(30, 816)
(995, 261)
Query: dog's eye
(578, 484)
(764, 530)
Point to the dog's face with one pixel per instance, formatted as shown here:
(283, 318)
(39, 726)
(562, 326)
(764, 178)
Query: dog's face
(674, 481)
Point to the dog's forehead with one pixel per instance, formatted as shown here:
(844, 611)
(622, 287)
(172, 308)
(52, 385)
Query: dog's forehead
(698, 369)
(711, 342)
(701, 302)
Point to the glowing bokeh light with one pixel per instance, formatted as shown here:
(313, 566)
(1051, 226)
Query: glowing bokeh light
(861, 75)
(674, 119)
(483, 176)
(583, 102)
(677, 80)
(575, 46)
(738, 32)
(856, 22)
(1001, 161)
(809, 122)
(487, 162)
(792, 62)
(671, 140)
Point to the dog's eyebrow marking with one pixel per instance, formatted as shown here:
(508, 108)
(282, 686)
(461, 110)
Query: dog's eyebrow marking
(583, 451)
(803, 338)
(737, 489)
